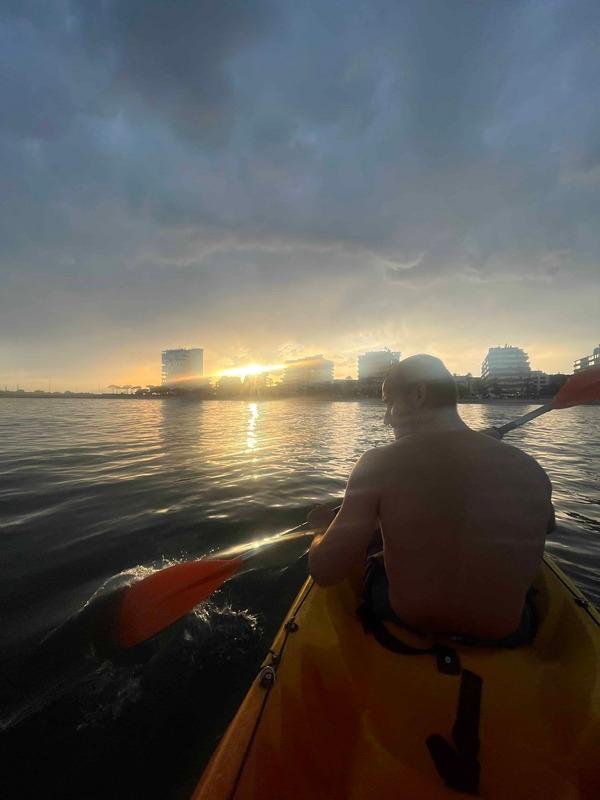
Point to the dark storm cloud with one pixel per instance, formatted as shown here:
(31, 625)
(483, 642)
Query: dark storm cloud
(150, 147)
(170, 58)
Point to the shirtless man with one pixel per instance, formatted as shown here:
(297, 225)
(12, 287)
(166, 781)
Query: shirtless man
(463, 516)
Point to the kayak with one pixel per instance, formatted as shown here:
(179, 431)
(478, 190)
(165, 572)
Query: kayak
(334, 715)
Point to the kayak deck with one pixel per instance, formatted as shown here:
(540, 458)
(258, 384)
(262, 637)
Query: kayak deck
(345, 718)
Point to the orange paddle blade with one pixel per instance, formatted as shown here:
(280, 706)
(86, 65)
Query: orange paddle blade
(162, 598)
(583, 387)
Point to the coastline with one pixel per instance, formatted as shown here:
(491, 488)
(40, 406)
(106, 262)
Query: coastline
(532, 401)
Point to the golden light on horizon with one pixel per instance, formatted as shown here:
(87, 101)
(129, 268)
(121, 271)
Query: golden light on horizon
(250, 369)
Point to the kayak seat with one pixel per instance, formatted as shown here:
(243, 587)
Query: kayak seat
(547, 691)
(346, 719)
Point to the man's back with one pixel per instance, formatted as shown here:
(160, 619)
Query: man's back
(464, 519)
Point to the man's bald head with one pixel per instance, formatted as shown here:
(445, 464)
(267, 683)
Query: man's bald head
(440, 386)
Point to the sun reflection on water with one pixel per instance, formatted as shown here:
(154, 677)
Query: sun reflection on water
(251, 432)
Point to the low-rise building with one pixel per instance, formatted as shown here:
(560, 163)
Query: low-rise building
(467, 386)
(310, 371)
(229, 385)
(537, 381)
(257, 385)
(585, 362)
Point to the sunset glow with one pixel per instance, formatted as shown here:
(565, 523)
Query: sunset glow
(251, 369)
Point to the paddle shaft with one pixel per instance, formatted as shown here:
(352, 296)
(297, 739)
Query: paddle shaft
(245, 552)
(516, 423)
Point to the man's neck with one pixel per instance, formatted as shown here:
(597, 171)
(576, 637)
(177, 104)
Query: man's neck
(439, 421)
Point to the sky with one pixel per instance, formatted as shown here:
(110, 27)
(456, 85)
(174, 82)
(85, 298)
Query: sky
(268, 179)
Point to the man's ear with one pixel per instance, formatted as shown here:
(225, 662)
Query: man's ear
(420, 394)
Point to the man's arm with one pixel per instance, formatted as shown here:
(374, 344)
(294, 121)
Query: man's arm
(333, 553)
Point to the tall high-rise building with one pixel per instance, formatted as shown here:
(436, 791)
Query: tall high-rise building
(506, 369)
(183, 368)
(308, 371)
(588, 361)
(375, 364)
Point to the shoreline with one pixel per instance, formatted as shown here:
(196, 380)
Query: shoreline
(89, 396)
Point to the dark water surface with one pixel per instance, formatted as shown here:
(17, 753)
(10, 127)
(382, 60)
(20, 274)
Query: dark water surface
(91, 489)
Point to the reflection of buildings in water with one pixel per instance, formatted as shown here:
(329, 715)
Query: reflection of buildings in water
(179, 417)
(182, 430)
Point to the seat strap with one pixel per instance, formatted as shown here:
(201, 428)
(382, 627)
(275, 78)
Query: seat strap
(459, 766)
(447, 658)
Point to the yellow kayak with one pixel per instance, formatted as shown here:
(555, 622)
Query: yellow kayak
(334, 715)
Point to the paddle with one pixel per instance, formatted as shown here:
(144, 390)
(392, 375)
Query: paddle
(162, 598)
(583, 387)
(155, 602)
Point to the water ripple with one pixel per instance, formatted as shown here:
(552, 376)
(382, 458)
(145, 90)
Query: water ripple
(90, 488)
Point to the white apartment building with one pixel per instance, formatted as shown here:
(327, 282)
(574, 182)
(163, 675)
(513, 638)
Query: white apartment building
(376, 364)
(308, 371)
(507, 368)
(183, 368)
(588, 361)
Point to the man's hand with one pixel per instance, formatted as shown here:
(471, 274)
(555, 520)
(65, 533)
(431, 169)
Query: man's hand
(493, 432)
(320, 517)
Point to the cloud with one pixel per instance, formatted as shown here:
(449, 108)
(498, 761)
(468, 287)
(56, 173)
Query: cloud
(168, 161)
(169, 58)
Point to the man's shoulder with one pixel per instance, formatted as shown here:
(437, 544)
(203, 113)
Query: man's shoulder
(516, 452)
(382, 454)
(525, 460)
(369, 459)
(378, 460)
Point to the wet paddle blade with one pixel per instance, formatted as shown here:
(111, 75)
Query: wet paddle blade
(583, 387)
(162, 598)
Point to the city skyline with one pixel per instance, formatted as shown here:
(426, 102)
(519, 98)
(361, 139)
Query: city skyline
(279, 179)
(254, 368)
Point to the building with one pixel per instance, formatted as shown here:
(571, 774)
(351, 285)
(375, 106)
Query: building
(537, 381)
(585, 362)
(310, 371)
(257, 385)
(229, 385)
(183, 368)
(467, 386)
(375, 364)
(505, 371)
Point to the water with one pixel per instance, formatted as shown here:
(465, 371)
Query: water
(92, 488)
